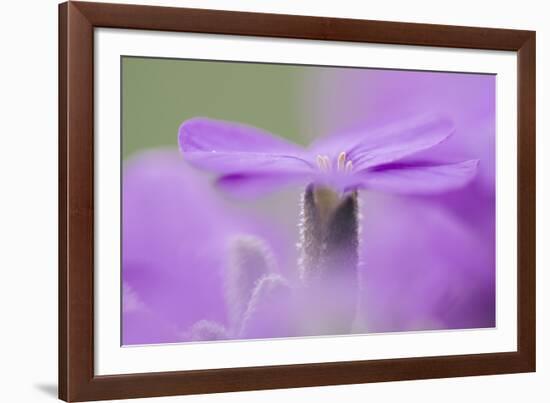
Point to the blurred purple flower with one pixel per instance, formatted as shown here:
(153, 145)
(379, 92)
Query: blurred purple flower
(426, 262)
(194, 269)
(177, 235)
(252, 161)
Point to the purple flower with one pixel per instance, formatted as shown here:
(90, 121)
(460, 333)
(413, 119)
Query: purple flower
(416, 254)
(177, 236)
(252, 161)
(426, 262)
(196, 269)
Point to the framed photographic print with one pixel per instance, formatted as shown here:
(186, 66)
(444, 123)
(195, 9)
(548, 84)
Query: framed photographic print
(254, 201)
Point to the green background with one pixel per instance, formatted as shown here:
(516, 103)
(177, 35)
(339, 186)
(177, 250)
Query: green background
(159, 94)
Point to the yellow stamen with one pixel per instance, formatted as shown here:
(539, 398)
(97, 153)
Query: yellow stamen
(321, 162)
(342, 165)
(328, 164)
(341, 161)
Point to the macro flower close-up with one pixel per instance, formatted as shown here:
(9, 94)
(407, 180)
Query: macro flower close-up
(349, 201)
(249, 159)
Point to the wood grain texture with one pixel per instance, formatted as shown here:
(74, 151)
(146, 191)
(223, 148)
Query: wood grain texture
(77, 207)
(62, 206)
(526, 199)
(299, 27)
(77, 21)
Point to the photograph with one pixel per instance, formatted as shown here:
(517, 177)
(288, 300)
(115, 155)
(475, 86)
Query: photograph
(275, 201)
(266, 200)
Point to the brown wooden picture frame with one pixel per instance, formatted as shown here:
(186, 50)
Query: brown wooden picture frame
(77, 381)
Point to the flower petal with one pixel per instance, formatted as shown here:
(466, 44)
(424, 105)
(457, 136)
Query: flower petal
(255, 184)
(419, 178)
(425, 265)
(382, 145)
(226, 147)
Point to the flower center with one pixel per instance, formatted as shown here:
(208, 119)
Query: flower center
(342, 164)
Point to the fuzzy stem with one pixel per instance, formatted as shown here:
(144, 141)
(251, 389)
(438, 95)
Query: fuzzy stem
(329, 241)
